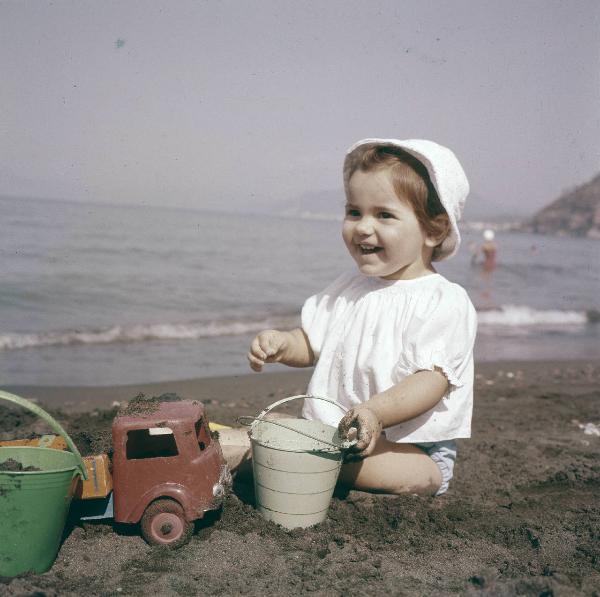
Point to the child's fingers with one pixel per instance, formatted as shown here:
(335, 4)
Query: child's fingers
(365, 438)
(368, 450)
(361, 449)
(269, 352)
(270, 343)
(266, 344)
(257, 350)
(346, 422)
(265, 348)
(255, 363)
(368, 427)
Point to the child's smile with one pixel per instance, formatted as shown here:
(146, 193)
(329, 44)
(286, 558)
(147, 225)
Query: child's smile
(382, 232)
(368, 250)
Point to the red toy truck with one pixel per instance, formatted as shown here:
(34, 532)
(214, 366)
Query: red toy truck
(167, 471)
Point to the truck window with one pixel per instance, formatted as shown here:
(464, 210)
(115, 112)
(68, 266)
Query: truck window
(147, 443)
(202, 434)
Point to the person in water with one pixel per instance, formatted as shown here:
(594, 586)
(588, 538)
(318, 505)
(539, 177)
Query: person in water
(485, 254)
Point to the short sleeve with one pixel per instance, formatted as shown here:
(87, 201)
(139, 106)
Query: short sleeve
(317, 312)
(441, 334)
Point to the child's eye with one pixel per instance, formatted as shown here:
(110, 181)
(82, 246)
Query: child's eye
(353, 213)
(385, 215)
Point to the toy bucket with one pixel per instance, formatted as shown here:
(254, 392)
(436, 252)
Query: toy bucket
(34, 504)
(296, 463)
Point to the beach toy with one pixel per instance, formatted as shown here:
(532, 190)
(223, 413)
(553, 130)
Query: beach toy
(34, 503)
(217, 426)
(296, 463)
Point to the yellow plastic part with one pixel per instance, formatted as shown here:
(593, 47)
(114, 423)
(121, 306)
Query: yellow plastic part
(56, 442)
(217, 426)
(99, 482)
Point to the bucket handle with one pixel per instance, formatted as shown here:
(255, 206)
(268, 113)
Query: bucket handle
(34, 408)
(343, 445)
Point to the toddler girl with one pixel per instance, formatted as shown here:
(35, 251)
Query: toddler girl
(392, 342)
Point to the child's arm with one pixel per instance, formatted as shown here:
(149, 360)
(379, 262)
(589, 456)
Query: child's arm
(272, 346)
(406, 400)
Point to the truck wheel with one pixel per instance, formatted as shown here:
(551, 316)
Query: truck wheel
(164, 523)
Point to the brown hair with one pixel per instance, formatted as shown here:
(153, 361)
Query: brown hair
(411, 182)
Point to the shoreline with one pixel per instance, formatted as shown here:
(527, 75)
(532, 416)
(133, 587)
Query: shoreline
(248, 386)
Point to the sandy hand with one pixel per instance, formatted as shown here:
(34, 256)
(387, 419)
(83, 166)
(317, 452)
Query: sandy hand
(365, 423)
(267, 347)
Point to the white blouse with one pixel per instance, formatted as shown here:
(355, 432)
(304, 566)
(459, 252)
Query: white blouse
(368, 334)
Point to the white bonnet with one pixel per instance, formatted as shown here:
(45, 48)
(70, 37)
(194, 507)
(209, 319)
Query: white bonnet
(445, 172)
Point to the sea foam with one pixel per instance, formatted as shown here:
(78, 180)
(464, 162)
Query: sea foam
(521, 318)
(144, 332)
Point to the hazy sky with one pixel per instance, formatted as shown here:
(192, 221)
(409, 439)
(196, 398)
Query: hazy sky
(240, 104)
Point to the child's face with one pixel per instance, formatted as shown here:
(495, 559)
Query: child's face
(382, 232)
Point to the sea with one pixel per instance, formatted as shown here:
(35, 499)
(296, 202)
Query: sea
(96, 294)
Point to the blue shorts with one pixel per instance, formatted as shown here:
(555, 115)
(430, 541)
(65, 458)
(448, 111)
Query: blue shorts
(444, 455)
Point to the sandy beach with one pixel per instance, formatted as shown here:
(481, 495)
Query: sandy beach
(522, 515)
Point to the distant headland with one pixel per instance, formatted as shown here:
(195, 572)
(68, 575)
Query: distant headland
(575, 213)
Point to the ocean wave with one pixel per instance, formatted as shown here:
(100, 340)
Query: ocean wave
(519, 315)
(518, 318)
(145, 332)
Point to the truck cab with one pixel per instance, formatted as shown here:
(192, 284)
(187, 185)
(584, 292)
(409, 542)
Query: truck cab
(167, 470)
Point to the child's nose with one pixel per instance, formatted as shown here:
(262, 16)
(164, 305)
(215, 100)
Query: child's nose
(364, 226)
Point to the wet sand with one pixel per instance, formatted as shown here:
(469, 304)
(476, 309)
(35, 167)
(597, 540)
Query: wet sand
(521, 517)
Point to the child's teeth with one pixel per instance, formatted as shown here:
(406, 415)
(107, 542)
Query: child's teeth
(368, 248)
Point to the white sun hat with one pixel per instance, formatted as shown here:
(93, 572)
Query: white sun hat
(445, 172)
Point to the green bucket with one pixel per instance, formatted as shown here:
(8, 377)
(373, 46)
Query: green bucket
(34, 504)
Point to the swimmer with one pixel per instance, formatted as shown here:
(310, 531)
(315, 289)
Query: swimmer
(487, 250)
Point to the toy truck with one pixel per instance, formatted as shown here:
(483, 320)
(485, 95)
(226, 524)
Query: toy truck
(167, 471)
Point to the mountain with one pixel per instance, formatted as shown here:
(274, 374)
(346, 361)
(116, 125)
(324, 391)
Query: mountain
(575, 213)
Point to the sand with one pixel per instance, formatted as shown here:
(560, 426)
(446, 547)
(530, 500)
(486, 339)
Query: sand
(522, 516)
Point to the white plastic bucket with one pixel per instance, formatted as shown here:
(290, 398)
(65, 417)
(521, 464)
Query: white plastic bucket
(296, 463)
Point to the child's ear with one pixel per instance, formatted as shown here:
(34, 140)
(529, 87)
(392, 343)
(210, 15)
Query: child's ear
(440, 230)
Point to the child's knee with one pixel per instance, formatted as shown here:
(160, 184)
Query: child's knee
(394, 474)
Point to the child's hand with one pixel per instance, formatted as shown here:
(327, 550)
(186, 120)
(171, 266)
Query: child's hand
(369, 427)
(267, 347)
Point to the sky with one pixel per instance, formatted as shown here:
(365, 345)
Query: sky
(250, 106)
